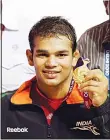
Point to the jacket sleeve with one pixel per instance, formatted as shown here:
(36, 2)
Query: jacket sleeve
(102, 119)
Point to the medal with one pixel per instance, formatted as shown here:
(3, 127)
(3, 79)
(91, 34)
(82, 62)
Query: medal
(79, 74)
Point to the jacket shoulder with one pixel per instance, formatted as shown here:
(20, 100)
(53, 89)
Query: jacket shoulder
(5, 99)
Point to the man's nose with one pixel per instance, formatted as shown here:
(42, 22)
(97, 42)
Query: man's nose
(51, 62)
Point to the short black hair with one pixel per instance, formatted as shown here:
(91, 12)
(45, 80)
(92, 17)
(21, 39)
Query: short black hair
(50, 27)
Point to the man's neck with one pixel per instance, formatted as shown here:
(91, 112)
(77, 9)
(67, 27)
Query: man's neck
(56, 92)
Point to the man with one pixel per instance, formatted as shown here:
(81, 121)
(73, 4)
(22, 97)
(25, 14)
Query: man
(50, 104)
(96, 42)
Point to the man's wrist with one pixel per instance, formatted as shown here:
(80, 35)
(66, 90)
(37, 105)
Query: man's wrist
(104, 108)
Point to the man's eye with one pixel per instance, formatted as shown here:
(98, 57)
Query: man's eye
(62, 55)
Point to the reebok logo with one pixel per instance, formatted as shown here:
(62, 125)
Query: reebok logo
(9, 129)
(87, 126)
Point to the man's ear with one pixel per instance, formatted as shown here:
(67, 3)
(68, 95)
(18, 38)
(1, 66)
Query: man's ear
(29, 57)
(76, 56)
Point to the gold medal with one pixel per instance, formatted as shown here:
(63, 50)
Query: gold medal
(80, 72)
(79, 76)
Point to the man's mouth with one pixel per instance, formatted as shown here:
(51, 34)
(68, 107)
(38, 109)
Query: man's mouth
(50, 74)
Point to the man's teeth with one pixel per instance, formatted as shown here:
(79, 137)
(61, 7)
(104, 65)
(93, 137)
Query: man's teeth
(50, 72)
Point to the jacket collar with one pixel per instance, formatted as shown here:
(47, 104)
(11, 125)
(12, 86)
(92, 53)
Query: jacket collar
(22, 95)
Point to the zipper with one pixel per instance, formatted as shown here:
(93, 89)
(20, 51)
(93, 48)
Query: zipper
(49, 132)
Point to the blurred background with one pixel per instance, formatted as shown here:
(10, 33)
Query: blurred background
(82, 14)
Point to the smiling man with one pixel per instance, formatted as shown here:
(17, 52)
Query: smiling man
(53, 66)
(50, 104)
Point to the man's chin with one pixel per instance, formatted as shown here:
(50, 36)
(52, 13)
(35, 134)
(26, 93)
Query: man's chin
(51, 82)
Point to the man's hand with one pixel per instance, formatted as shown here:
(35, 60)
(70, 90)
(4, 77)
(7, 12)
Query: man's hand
(96, 84)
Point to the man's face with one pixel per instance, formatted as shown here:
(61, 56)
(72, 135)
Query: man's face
(52, 58)
(107, 6)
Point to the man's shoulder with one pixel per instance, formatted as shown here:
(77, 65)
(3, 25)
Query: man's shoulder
(94, 30)
(5, 97)
(99, 26)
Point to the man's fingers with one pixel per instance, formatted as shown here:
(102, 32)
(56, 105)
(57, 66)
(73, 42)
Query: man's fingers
(96, 75)
(90, 83)
(90, 89)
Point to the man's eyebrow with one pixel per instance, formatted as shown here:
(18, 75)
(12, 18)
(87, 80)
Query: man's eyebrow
(45, 51)
(41, 51)
(63, 51)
